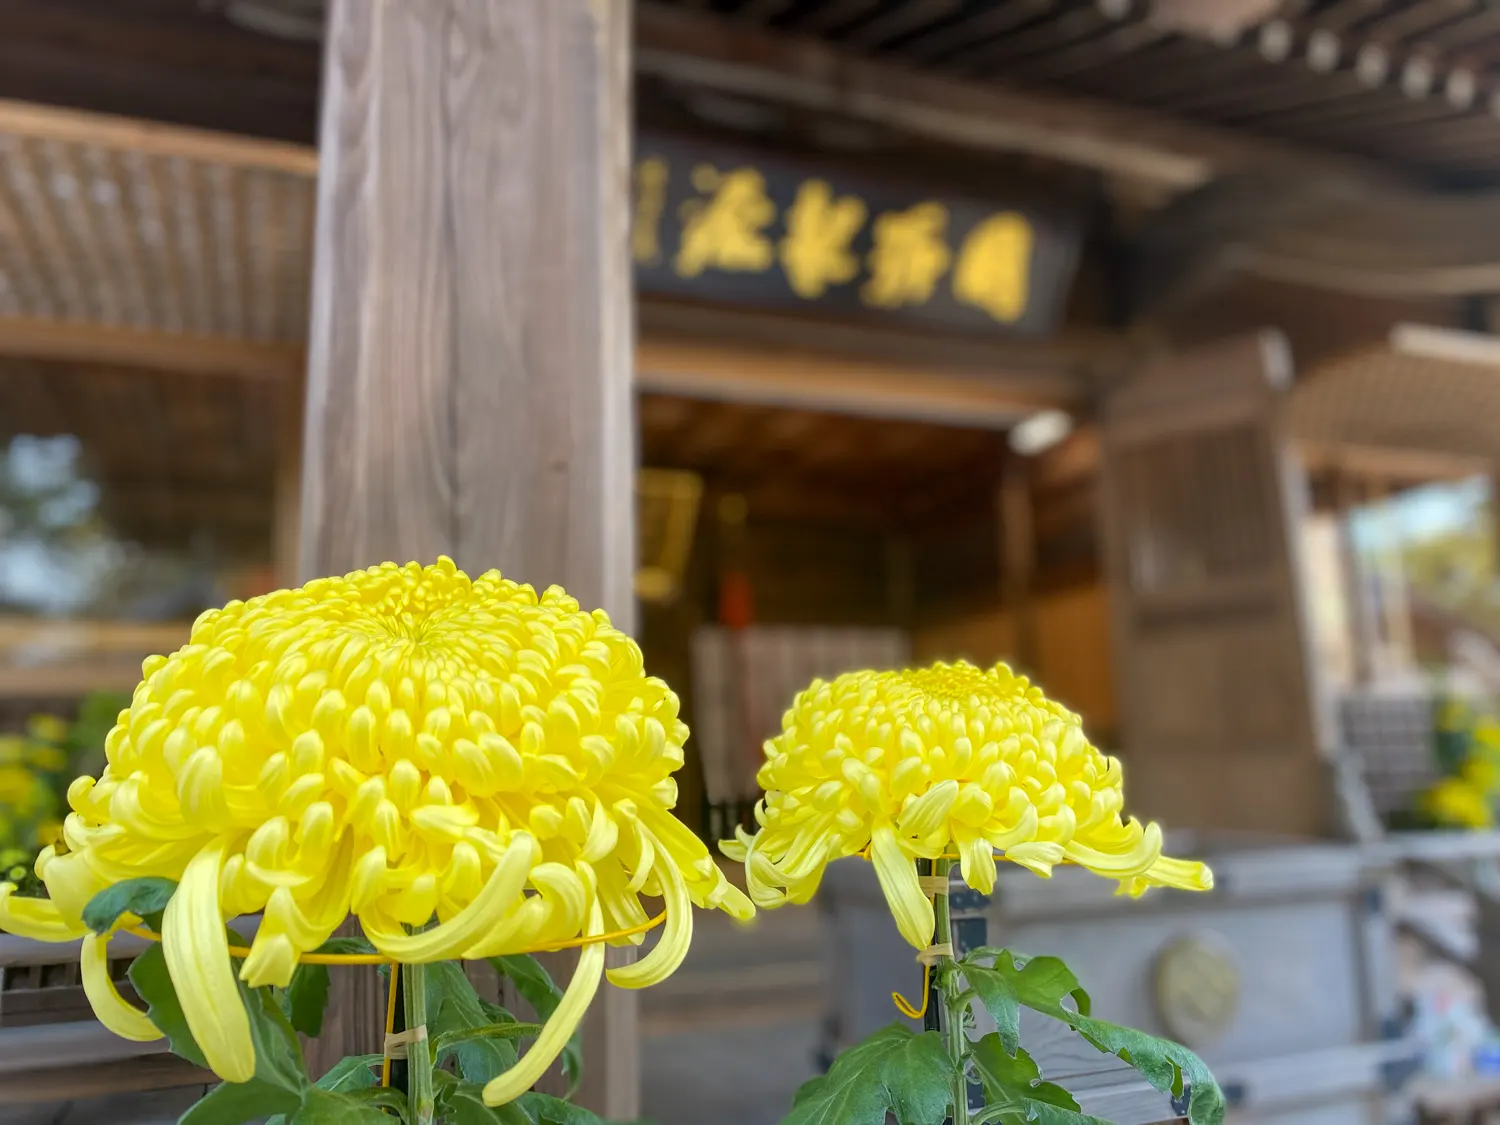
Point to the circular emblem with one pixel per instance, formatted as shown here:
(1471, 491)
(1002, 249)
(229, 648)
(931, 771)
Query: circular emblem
(1197, 988)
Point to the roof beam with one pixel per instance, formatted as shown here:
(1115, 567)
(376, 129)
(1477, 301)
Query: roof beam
(74, 341)
(733, 58)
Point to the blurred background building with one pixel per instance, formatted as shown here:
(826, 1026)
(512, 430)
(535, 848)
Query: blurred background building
(1146, 344)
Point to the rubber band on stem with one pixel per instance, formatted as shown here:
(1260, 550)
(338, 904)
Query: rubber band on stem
(381, 959)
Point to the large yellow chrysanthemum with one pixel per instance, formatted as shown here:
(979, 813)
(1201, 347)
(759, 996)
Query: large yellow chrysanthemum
(400, 743)
(948, 759)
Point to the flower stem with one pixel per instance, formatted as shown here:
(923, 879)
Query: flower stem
(419, 1054)
(953, 1010)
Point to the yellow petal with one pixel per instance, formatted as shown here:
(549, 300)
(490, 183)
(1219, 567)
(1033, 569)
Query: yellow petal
(903, 893)
(559, 1029)
(1185, 875)
(35, 918)
(448, 940)
(125, 1020)
(978, 864)
(676, 934)
(929, 812)
(197, 953)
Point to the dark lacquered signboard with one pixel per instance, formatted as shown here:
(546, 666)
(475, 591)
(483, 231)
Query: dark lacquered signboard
(749, 229)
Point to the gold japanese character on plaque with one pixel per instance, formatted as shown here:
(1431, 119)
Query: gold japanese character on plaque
(815, 252)
(650, 202)
(725, 229)
(994, 266)
(909, 258)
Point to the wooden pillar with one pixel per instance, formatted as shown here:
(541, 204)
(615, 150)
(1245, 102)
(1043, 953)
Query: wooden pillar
(469, 368)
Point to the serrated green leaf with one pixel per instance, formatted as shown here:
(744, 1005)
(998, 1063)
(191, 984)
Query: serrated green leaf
(998, 995)
(453, 1005)
(449, 1040)
(894, 1071)
(1016, 1080)
(153, 984)
(278, 1054)
(1040, 983)
(145, 898)
(234, 1103)
(1043, 983)
(544, 1109)
(323, 1107)
(536, 985)
(1164, 1064)
(462, 1103)
(357, 1072)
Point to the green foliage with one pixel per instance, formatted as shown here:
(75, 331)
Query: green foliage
(1048, 986)
(1016, 1092)
(145, 898)
(306, 998)
(453, 1008)
(895, 1071)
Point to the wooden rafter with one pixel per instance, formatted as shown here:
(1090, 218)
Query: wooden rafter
(698, 48)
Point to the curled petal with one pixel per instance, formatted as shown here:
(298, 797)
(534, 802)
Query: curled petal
(903, 893)
(928, 813)
(448, 940)
(125, 1020)
(1135, 858)
(559, 1029)
(197, 954)
(1185, 875)
(676, 934)
(978, 863)
(35, 918)
(1038, 857)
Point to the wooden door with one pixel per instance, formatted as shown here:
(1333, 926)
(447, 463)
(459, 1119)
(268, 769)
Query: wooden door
(1201, 506)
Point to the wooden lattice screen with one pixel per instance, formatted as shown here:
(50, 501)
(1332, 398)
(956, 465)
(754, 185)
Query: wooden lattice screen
(1218, 716)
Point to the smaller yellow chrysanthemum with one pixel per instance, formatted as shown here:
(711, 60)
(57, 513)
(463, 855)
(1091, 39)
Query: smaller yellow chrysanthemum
(942, 760)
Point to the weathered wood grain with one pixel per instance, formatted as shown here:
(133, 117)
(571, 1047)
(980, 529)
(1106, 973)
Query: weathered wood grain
(470, 353)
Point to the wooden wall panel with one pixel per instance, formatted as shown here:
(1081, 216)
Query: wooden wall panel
(1073, 661)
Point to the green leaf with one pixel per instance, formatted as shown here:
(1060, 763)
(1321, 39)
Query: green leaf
(1043, 983)
(536, 985)
(462, 1103)
(893, 1071)
(145, 898)
(544, 1109)
(1040, 983)
(449, 1040)
(306, 998)
(234, 1103)
(278, 1054)
(1015, 1083)
(323, 1107)
(357, 1072)
(1166, 1065)
(998, 995)
(453, 1005)
(153, 984)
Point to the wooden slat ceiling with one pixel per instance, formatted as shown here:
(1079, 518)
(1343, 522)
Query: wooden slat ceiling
(1415, 83)
(1387, 399)
(106, 232)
